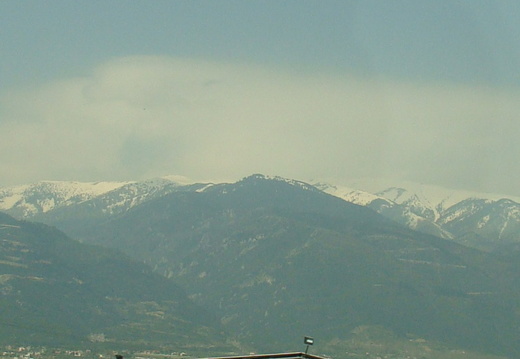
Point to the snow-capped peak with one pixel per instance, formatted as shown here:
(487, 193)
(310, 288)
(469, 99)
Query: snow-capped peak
(435, 210)
(348, 194)
(46, 195)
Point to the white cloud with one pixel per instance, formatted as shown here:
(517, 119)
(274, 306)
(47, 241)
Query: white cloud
(138, 117)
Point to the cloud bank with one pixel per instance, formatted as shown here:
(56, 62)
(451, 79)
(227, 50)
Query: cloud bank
(139, 117)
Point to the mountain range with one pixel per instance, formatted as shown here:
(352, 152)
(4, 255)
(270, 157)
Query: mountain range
(274, 259)
(481, 220)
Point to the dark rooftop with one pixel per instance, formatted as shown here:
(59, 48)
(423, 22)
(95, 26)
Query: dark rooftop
(295, 355)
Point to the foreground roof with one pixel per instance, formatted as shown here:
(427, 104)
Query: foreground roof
(295, 355)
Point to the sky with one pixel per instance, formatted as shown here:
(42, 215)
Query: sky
(423, 91)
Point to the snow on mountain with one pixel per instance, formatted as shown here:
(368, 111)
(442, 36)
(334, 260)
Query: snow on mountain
(292, 182)
(446, 213)
(27, 200)
(498, 219)
(439, 198)
(132, 194)
(442, 212)
(347, 193)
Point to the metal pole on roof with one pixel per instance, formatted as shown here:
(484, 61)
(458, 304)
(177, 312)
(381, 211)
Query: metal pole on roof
(308, 341)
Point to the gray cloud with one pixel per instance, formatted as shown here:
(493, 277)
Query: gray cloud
(136, 117)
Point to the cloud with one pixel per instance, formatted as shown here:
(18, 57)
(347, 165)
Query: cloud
(137, 117)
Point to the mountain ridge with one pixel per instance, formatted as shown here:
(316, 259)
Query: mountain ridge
(275, 260)
(427, 209)
(441, 212)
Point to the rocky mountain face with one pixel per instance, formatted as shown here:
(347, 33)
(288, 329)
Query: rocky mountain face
(275, 259)
(27, 201)
(497, 221)
(484, 221)
(55, 291)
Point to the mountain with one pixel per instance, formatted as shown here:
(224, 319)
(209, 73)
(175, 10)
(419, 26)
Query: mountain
(499, 220)
(56, 291)
(26, 201)
(427, 209)
(71, 217)
(276, 259)
(29, 201)
(482, 220)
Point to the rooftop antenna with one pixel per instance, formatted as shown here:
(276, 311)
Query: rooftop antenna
(306, 340)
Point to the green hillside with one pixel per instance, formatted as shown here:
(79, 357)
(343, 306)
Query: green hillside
(277, 260)
(56, 291)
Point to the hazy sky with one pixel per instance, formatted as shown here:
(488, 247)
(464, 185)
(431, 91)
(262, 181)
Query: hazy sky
(427, 91)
